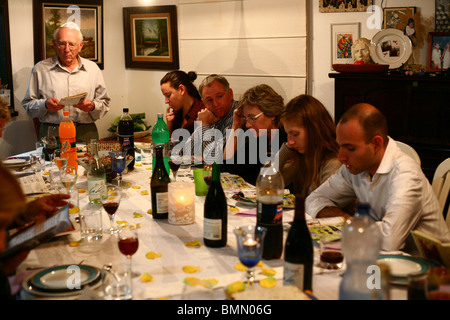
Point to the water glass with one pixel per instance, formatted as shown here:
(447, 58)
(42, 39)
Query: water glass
(90, 225)
(39, 161)
(117, 284)
(146, 154)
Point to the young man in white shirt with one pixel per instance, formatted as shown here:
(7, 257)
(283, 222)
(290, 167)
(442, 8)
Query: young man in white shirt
(377, 172)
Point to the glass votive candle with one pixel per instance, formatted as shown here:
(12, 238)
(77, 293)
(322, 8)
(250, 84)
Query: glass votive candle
(181, 202)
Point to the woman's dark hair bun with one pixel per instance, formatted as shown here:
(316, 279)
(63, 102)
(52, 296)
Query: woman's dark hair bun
(192, 75)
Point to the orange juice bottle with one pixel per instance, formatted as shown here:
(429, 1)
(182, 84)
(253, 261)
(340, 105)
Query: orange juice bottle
(67, 136)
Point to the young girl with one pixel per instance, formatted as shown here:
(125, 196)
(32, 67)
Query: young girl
(310, 155)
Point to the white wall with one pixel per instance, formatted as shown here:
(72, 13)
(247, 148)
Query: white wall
(322, 87)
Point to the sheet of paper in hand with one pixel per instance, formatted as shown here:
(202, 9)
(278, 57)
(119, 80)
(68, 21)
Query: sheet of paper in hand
(73, 100)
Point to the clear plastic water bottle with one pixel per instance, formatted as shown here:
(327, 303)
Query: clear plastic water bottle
(361, 242)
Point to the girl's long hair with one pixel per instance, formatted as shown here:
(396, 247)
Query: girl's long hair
(310, 113)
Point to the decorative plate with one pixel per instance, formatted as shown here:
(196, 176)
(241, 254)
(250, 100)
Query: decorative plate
(392, 47)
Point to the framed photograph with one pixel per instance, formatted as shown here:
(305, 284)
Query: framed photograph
(151, 37)
(342, 37)
(442, 16)
(438, 58)
(51, 14)
(395, 16)
(344, 5)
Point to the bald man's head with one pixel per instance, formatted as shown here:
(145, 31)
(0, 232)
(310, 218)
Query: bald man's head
(372, 121)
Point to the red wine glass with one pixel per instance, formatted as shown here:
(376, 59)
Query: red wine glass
(207, 174)
(128, 245)
(110, 200)
(174, 166)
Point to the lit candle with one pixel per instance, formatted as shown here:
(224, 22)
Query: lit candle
(181, 202)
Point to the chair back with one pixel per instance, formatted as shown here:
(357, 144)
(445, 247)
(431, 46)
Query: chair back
(441, 187)
(409, 151)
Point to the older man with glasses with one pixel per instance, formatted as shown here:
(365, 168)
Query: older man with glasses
(63, 75)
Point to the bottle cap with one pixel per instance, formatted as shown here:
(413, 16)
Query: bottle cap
(125, 109)
(66, 113)
(363, 208)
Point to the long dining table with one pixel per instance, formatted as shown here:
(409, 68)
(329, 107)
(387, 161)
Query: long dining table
(167, 253)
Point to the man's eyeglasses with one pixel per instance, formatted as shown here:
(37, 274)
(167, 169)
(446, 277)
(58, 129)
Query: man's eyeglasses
(71, 45)
(252, 119)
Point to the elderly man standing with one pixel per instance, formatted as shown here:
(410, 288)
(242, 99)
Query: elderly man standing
(377, 172)
(63, 75)
(209, 139)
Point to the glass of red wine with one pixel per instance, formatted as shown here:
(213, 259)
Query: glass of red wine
(207, 174)
(51, 142)
(110, 201)
(128, 245)
(250, 241)
(174, 165)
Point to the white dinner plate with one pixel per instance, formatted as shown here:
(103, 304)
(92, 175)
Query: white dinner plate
(402, 266)
(55, 279)
(392, 47)
(14, 162)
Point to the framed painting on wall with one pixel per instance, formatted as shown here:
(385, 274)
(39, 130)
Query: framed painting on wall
(442, 16)
(51, 14)
(344, 5)
(151, 37)
(342, 37)
(438, 58)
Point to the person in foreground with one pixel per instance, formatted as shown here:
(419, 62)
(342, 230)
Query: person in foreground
(63, 75)
(377, 172)
(183, 100)
(259, 112)
(309, 157)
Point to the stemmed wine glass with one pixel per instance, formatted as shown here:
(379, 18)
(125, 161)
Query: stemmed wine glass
(110, 195)
(207, 174)
(250, 241)
(68, 177)
(128, 245)
(61, 158)
(51, 142)
(118, 163)
(174, 165)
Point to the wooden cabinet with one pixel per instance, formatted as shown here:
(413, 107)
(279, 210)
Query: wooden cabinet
(417, 109)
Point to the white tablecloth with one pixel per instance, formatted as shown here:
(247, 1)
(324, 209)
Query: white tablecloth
(169, 240)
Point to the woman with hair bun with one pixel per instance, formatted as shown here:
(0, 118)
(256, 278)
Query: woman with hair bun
(182, 98)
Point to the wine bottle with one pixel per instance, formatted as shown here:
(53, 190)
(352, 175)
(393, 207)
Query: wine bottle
(298, 251)
(215, 212)
(96, 175)
(159, 187)
(125, 130)
(269, 209)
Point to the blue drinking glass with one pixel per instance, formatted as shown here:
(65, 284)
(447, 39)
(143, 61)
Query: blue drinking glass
(250, 241)
(118, 164)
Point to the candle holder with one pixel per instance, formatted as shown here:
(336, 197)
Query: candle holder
(181, 203)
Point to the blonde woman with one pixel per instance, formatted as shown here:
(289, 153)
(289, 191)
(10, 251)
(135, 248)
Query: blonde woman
(256, 122)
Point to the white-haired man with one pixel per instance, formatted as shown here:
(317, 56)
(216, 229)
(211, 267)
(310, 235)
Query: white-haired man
(64, 75)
